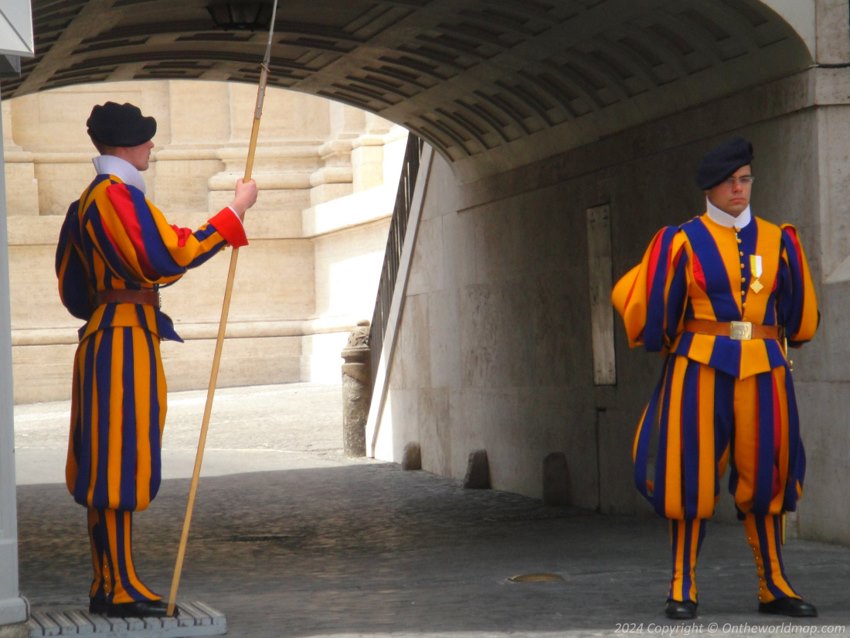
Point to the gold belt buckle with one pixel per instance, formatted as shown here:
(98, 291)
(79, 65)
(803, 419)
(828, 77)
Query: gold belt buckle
(741, 330)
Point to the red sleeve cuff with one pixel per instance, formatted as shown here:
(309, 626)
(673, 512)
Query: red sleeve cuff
(229, 226)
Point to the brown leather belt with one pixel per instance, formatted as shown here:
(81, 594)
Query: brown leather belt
(738, 330)
(146, 296)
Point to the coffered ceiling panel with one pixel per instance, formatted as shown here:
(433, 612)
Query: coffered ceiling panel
(470, 76)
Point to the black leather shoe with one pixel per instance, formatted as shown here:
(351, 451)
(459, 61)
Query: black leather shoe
(796, 607)
(97, 606)
(680, 610)
(140, 609)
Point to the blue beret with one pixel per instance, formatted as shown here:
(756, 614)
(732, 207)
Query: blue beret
(120, 125)
(721, 161)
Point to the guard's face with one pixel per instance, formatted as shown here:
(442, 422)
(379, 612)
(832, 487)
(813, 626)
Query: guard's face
(139, 156)
(732, 195)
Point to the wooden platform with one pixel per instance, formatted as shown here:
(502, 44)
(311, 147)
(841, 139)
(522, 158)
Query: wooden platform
(195, 619)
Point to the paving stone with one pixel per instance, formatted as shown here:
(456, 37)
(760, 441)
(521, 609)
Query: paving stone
(292, 539)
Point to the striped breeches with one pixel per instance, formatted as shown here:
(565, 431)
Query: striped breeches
(115, 579)
(117, 415)
(697, 420)
(764, 537)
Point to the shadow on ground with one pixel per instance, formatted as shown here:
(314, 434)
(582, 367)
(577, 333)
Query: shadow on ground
(367, 548)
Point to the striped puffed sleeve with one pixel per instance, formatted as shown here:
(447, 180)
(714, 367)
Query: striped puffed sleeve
(139, 243)
(74, 289)
(651, 296)
(797, 303)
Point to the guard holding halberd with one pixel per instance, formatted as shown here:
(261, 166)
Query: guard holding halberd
(115, 250)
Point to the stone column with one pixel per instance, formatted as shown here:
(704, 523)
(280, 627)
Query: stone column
(19, 171)
(356, 390)
(13, 608)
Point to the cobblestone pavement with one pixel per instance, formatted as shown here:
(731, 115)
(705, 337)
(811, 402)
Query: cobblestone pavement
(291, 539)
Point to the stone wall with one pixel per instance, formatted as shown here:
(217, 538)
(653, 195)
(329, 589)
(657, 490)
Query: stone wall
(327, 175)
(494, 350)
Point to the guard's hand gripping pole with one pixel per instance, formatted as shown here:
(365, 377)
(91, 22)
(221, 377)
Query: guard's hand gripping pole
(222, 325)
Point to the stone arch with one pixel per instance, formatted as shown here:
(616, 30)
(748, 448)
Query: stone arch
(489, 85)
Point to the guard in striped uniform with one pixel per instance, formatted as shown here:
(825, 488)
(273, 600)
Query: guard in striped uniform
(115, 250)
(722, 296)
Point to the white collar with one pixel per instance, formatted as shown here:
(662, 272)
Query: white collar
(122, 169)
(725, 219)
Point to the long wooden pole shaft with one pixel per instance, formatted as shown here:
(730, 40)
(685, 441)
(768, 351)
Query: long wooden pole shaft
(219, 343)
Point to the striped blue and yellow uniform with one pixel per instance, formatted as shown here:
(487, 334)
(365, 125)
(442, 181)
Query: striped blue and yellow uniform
(719, 401)
(114, 238)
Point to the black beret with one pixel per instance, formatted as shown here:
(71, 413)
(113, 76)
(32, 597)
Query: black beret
(721, 161)
(120, 125)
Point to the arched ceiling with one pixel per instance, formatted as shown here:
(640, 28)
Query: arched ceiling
(473, 77)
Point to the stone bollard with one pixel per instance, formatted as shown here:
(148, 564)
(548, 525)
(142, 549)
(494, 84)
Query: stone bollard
(556, 479)
(477, 471)
(356, 390)
(411, 457)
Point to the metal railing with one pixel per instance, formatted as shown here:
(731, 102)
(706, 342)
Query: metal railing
(392, 255)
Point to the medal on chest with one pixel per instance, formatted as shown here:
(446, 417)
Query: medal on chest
(756, 271)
